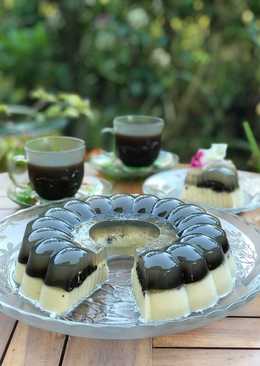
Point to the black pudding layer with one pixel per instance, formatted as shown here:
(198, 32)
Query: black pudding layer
(183, 211)
(211, 250)
(61, 213)
(122, 203)
(164, 207)
(43, 221)
(80, 208)
(52, 223)
(101, 205)
(193, 263)
(213, 231)
(40, 254)
(158, 270)
(69, 268)
(35, 236)
(144, 204)
(219, 177)
(195, 219)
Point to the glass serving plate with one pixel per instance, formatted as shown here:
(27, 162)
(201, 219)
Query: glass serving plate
(170, 184)
(111, 313)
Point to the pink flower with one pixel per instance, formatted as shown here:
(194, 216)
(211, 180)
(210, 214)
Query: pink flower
(197, 160)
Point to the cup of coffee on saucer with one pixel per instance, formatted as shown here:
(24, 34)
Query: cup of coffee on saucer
(137, 139)
(54, 166)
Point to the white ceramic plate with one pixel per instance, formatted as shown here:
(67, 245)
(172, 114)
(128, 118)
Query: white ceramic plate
(170, 183)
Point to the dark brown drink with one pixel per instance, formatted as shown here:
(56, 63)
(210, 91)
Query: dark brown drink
(54, 183)
(137, 151)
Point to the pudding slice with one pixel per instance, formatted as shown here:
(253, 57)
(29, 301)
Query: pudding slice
(158, 287)
(72, 275)
(215, 185)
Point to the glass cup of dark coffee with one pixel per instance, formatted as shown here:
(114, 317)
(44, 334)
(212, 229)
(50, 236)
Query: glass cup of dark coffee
(55, 166)
(137, 139)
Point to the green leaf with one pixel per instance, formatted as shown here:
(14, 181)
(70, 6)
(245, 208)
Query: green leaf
(71, 112)
(54, 111)
(3, 109)
(255, 150)
(44, 96)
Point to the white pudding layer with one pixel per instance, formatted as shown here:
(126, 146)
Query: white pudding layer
(223, 279)
(212, 198)
(31, 287)
(59, 301)
(19, 272)
(202, 294)
(160, 304)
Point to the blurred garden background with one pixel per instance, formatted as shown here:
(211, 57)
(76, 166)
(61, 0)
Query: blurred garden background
(196, 63)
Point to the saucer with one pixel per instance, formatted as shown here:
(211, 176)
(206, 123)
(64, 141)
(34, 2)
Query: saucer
(109, 165)
(26, 197)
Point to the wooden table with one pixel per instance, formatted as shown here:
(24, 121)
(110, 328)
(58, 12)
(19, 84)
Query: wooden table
(232, 341)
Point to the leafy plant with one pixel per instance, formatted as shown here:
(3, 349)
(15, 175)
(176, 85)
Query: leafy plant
(254, 147)
(66, 105)
(196, 63)
(48, 108)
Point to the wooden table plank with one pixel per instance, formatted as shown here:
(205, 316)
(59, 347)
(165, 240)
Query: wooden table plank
(128, 187)
(251, 309)
(252, 216)
(31, 346)
(202, 357)
(89, 352)
(6, 325)
(227, 333)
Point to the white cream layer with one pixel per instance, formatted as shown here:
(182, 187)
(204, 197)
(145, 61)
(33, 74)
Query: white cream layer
(223, 278)
(160, 304)
(19, 272)
(58, 301)
(212, 198)
(202, 294)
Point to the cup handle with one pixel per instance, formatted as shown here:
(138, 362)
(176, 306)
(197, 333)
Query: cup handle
(17, 170)
(108, 144)
(107, 130)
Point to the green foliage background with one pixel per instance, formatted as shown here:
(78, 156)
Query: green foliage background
(194, 62)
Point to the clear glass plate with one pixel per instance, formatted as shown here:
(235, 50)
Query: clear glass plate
(110, 313)
(170, 184)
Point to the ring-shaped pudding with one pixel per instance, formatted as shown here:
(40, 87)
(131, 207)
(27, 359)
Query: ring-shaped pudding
(182, 258)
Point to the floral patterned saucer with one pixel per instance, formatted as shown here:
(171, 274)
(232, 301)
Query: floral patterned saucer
(109, 165)
(26, 197)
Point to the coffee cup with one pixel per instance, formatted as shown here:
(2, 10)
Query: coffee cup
(137, 139)
(53, 165)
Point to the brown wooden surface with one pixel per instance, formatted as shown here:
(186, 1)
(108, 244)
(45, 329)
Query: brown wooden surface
(232, 341)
